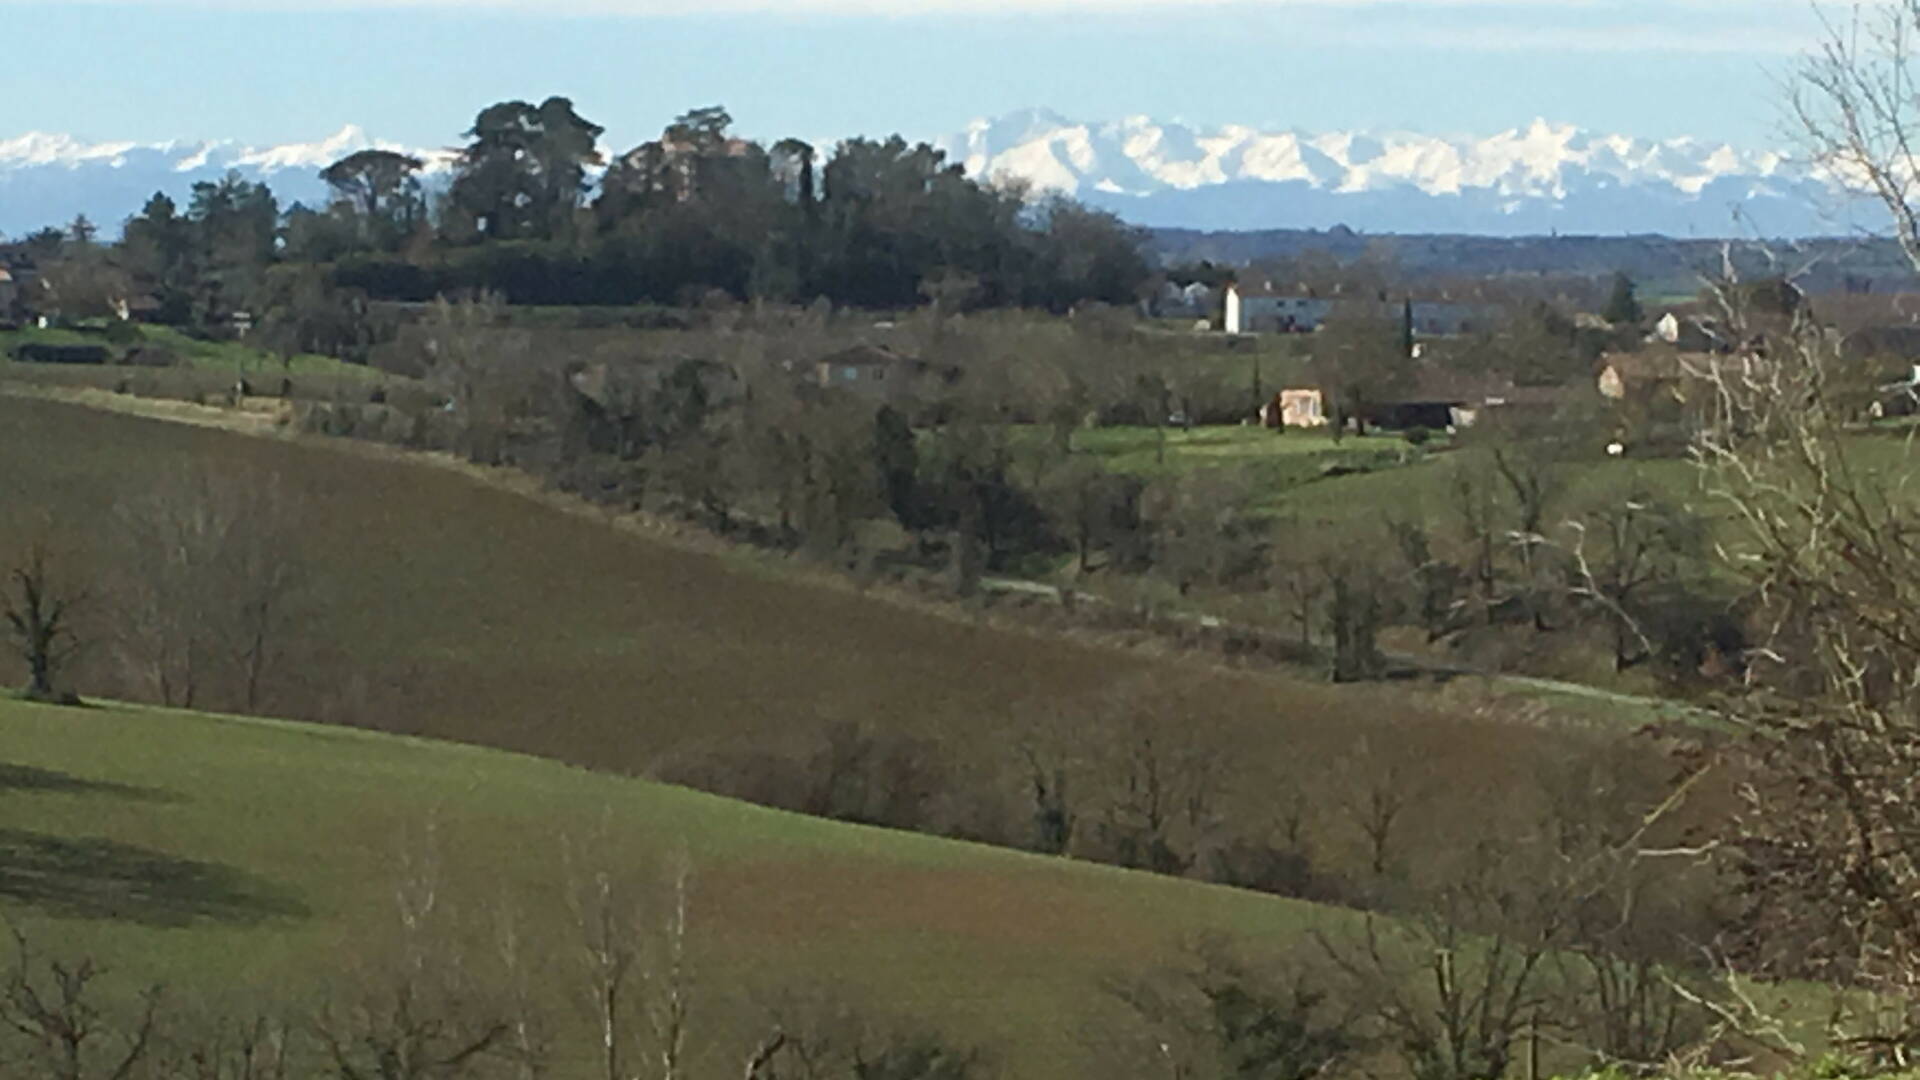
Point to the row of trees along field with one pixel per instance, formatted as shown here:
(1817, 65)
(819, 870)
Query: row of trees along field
(875, 224)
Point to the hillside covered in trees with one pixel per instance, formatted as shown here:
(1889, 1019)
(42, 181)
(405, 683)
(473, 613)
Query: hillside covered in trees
(536, 213)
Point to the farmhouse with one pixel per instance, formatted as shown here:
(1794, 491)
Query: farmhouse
(1649, 373)
(1301, 407)
(1441, 401)
(1441, 318)
(140, 307)
(1691, 333)
(878, 372)
(1257, 307)
(1173, 299)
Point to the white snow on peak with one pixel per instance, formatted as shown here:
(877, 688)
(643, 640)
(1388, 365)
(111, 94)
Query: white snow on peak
(36, 149)
(41, 150)
(314, 155)
(1140, 156)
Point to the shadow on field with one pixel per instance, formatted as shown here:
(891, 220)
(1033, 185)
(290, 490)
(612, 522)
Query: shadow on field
(28, 779)
(101, 879)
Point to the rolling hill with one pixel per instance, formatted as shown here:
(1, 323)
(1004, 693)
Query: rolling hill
(462, 622)
(249, 864)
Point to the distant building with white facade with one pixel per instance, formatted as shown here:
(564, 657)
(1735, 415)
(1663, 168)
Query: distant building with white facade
(1256, 307)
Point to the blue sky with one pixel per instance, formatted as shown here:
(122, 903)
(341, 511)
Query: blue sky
(415, 71)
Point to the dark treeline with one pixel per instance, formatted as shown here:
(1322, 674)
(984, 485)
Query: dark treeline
(534, 213)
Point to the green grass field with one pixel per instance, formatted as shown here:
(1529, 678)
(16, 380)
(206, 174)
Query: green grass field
(1271, 464)
(248, 861)
(1137, 450)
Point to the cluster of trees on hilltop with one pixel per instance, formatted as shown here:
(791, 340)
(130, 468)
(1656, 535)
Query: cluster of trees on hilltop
(535, 213)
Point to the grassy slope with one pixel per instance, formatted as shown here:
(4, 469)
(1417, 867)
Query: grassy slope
(1135, 450)
(1425, 489)
(295, 830)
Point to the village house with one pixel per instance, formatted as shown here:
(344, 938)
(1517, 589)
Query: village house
(1192, 300)
(1301, 407)
(140, 307)
(1663, 372)
(1258, 307)
(1442, 318)
(1691, 333)
(1649, 373)
(1439, 400)
(878, 372)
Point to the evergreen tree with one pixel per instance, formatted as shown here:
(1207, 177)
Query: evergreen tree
(1623, 307)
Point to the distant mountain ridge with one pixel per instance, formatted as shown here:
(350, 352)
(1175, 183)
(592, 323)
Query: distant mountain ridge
(1533, 180)
(47, 179)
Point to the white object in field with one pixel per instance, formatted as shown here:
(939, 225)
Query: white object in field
(1615, 449)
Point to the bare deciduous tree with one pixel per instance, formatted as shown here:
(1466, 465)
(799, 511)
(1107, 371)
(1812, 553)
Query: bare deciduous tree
(40, 606)
(1159, 781)
(1209, 1016)
(1452, 988)
(54, 1009)
(1624, 548)
(1294, 576)
(260, 1048)
(1475, 503)
(211, 569)
(1381, 784)
(636, 976)
(1827, 547)
(416, 1012)
(484, 369)
(816, 1035)
(1533, 485)
(1854, 104)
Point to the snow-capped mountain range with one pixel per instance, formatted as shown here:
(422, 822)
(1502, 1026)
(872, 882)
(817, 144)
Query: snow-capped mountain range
(47, 179)
(1535, 179)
